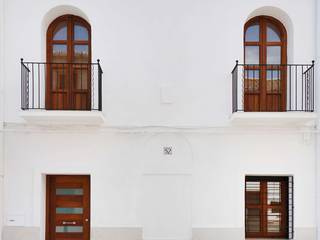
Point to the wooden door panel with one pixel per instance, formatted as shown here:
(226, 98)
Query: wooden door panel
(69, 201)
(69, 217)
(69, 64)
(251, 102)
(68, 207)
(81, 101)
(265, 70)
(81, 90)
(274, 103)
(69, 236)
(59, 101)
(69, 221)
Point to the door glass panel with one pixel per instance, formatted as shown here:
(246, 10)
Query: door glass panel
(69, 210)
(273, 55)
(69, 191)
(274, 193)
(59, 53)
(80, 33)
(252, 74)
(58, 76)
(81, 78)
(253, 33)
(274, 220)
(81, 53)
(252, 220)
(69, 229)
(252, 78)
(60, 32)
(273, 81)
(273, 33)
(252, 55)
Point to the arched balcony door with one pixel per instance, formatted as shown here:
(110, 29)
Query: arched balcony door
(265, 57)
(68, 73)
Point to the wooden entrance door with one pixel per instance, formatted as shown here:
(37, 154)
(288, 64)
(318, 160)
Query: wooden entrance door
(68, 207)
(266, 202)
(265, 57)
(68, 72)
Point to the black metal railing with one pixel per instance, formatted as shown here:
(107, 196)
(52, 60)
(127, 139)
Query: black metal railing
(273, 88)
(61, 86)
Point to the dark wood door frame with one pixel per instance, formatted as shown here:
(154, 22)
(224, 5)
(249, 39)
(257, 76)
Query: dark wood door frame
(263, 206)
(263, 44)
(52, 220)
(69, 71)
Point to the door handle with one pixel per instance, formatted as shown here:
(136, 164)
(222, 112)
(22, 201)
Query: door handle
(69, 223)
(87, 220)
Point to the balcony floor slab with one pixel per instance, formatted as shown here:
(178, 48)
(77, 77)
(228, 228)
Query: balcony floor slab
(274, 119)
(63, 117)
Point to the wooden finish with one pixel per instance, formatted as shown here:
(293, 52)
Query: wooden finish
(68, 97)
(260, 99)
(53, 201)
(263, 207)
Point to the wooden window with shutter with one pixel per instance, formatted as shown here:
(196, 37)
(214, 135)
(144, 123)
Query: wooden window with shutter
(269, 207)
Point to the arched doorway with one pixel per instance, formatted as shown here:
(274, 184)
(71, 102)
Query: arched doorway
(68, 64)
(265, 57)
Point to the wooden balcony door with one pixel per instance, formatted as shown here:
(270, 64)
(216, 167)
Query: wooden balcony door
(266, 213)
(68, 72)
(68, 207)
(265, 57)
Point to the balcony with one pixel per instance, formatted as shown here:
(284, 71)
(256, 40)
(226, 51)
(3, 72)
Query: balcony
(263, 93)
(61, 92)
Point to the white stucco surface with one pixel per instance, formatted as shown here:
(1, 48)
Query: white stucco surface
(166, 83)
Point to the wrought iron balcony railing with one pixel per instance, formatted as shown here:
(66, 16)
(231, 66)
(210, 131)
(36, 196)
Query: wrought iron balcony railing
(273, 88)
(61, 86)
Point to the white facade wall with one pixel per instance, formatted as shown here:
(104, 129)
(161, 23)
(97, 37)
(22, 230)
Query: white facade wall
(184, 50)
(2, 70)
(185, 46)
(120, 166)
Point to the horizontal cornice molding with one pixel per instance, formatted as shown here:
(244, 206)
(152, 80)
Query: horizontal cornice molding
(134, 129)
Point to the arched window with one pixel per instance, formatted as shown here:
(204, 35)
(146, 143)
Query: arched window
(265, 57)
(68, 64)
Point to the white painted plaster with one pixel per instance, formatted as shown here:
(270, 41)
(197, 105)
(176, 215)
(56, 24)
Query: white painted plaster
(190, 46)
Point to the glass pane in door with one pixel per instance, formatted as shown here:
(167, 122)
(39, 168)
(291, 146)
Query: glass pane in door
(80, 78)
(274, 193)
(252, 80)
(273, 81)
(59, 74)
(59, 53)
(69, 229)
(252, 54)
(253, 33)
(273, 33)
(60, 32)
(274, 220)
(67, 210)
(81, 54)
(69, 191)
(273, 55)
(80, 33)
